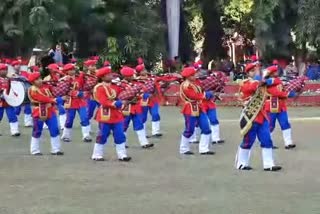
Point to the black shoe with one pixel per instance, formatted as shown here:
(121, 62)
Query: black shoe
(207, 153)
(87, 140)
(66, 140)
(188, 153)
(194, 142)
(157, 135)
(245, 168)
(127, 146)
(125, 159)
(57, 153)
(218, 142)
(291, 146)
(37, 154)
(149, 145)
(98, 159)
(148, 136)
(16, 135)
(273, 169)
(275, 147)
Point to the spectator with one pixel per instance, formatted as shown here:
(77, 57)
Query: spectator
(291, 70)
(301, 66)
(313, 71)
(55, 54)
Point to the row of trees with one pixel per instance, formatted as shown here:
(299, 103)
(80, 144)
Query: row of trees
(122, 30)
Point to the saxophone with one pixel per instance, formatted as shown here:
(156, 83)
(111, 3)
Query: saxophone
(252, 109)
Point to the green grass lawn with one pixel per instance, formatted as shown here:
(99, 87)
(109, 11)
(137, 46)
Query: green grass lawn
(160, 181)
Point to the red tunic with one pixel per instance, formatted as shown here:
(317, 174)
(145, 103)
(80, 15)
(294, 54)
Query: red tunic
(4, 85)
(247, 89)
(106, 94)
(43, 102)
(73, 101)
(276, 101)
(193, 96)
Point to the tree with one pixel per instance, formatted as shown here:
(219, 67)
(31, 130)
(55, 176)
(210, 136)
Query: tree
(211, 11)
(273, 20)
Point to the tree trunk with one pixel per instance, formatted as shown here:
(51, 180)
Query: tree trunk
(212, 31)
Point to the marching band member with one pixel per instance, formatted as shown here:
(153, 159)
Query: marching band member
(90, 66)
(151, 104)
(258, 124)
(10, 111)
(75, 102)
(277, 109)
(44, 111)
(109, 116)
(54, 75)
(193, 96)
(27, 106)
(133, 111)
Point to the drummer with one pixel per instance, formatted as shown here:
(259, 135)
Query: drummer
(4, 106)
(23, 76)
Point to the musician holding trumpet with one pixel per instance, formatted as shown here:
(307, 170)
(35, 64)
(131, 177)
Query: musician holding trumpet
(254, 121)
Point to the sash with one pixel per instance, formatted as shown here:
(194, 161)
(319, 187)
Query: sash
(44, 111)
(145, 102)
(105, 114)
(194, 104)
(274, 104)
(251, 110)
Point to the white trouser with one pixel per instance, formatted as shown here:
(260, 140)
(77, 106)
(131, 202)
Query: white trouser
(267, 157)
(14, 128)
(98, 151)
(204, 143)
(62, 120)
(155, 127)
(55, 144)
(35, 145)
(67, 133)
(85, 131)
(242, 158)
(142, 137)
(215, 133)
(184, 144)
(287, 137)
(28, 121)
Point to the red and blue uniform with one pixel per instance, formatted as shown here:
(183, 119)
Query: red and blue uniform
(109, 117)
(194, 113)
(44, 111)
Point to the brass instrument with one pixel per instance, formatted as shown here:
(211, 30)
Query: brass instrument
(252, 109)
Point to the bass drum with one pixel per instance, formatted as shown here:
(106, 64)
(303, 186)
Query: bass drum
(18, 93)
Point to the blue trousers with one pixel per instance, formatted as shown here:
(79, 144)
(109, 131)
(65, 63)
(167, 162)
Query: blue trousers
(282, 118)
(212, 116)
(154, 111)
(136, 120)
(92, 105)
(71, 113)
(191, 122)
(261, 131)
(27, 109)
(11, 114)
(61, 109)
(104, 132)
(52, 124)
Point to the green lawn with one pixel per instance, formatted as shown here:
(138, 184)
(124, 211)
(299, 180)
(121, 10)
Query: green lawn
(160, 181)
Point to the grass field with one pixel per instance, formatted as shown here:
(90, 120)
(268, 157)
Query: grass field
(160, 181)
